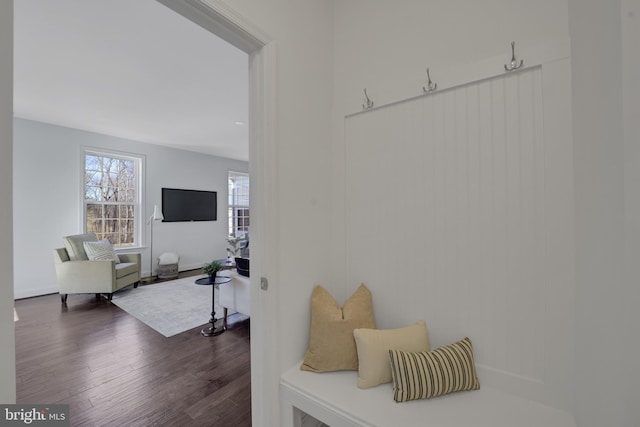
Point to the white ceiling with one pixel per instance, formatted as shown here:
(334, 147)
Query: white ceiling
(132, 69)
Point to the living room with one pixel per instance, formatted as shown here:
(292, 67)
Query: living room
(58, 165)
(190, 121)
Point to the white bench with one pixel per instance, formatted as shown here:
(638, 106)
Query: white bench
(334, 399)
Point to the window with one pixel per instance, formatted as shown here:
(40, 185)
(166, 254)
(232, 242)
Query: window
(112, 197)
(238, 203)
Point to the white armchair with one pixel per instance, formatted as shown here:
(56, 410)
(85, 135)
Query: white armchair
(78, 275)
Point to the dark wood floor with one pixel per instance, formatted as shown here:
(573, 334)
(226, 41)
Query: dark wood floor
(113, 370)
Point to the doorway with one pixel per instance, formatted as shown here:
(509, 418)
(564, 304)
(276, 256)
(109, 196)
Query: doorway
(217, 19)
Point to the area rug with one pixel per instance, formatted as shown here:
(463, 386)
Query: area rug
(169, 307)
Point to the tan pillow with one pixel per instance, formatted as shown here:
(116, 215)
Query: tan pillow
(433, 373)
(331, 343)
(373, 350)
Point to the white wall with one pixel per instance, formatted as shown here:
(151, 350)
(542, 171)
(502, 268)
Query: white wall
(605, 60)
(47, 204)
(386, 47)
(7, 338)
(451, 218)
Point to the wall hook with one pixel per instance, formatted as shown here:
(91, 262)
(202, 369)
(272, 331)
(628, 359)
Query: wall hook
(369, 103)
(430, 85)
(513, 65)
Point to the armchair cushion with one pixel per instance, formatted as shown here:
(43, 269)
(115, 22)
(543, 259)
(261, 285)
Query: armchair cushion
(126, 268)
(129, 257)
(75, 245)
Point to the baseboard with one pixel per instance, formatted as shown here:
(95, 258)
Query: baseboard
(30, 293)
(188, 267)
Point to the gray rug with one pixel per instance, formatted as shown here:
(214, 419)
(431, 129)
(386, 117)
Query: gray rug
(169, 307)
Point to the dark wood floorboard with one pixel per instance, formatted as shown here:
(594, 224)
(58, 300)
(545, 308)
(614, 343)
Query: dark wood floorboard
(113, 370)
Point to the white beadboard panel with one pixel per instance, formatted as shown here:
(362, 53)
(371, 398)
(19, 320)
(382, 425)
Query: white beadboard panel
(453, 213)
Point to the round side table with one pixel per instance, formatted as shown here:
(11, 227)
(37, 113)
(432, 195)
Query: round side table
(214, 282)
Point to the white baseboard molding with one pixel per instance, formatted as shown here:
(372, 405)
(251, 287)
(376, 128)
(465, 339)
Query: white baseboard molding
(188, 267)
(29, 293)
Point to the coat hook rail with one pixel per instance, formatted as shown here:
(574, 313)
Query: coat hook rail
(430, 85)
(369, 103)
(513, 65)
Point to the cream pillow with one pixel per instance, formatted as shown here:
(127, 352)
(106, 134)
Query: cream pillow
(100, 251)
(373, 347)
(433, 373)
(331, 343)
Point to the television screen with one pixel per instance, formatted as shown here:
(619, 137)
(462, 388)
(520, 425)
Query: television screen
(189, 205)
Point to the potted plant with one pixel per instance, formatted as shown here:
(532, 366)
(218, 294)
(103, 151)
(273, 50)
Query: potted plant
(232, 249)
(211, 269)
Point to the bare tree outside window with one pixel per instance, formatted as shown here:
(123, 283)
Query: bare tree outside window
(111, 197)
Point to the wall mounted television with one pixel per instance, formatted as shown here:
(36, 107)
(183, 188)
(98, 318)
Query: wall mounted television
(189, 205)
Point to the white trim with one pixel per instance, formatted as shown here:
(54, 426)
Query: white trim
(263, 174)
(219, 19)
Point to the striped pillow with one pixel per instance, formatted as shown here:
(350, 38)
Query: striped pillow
(100, 251)
(421, 375)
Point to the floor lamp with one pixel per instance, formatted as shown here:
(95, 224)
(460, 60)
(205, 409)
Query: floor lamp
(157, 216)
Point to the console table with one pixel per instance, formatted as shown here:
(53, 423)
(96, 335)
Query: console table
(214, 282)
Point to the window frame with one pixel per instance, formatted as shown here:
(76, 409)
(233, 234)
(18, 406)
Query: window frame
(139, 168)
(233, 208)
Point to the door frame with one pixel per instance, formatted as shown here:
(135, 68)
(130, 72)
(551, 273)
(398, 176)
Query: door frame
(224, 22)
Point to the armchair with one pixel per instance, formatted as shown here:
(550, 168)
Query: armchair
(78, 275)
